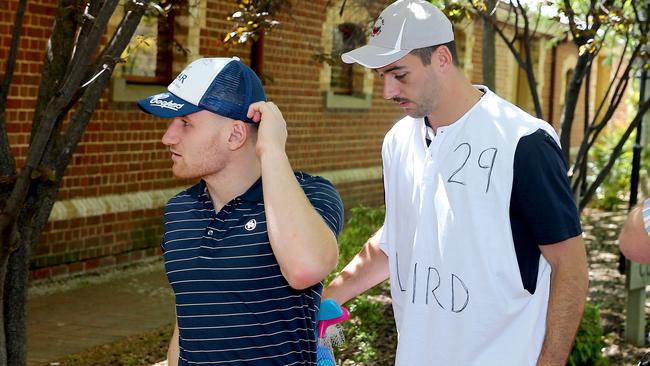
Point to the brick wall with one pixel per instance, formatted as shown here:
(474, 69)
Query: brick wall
(120, 163)
(110, 203)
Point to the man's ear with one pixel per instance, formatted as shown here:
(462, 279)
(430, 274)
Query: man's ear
(239, 134)
(443, 57)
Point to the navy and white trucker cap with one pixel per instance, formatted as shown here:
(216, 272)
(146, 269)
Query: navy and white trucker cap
(403, 26)
(224, 86)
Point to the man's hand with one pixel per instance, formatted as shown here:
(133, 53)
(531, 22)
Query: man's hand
(272, 133)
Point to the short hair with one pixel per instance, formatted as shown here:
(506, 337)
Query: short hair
(425, 53)
(252, 130)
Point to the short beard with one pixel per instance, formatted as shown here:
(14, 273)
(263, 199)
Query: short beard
(419, 112)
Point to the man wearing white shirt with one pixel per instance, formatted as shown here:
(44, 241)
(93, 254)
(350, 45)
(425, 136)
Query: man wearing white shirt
(482, 239)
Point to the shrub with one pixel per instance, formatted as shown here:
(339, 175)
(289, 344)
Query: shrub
(363, 222)
(615, 188)
(370, 334)
(587, 349)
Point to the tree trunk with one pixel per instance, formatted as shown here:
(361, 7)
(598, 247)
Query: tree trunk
(488, 56)
(24, 216)
(4, 258)
(7, 163)
(15, 297)
(570, 104)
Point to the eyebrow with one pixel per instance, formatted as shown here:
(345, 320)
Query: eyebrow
(391, 69)
(187, 117)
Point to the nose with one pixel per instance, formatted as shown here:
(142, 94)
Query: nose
(171, 135)
(391, 88)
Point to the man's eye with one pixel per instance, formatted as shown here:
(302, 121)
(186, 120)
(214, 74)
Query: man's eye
(400, 76)
(185, 123)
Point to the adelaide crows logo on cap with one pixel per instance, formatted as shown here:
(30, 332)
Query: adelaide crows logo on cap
(157, 101)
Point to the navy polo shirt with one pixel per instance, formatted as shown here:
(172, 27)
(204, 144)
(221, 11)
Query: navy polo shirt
(233, 305)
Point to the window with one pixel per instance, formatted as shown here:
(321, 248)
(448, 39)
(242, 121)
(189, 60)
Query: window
(344, 86)
(160, 47)
(149, 55)
(346, 37)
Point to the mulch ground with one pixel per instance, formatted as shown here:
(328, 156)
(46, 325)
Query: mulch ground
(607, 285)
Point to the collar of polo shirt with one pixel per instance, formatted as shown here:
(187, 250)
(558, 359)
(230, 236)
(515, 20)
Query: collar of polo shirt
(252, 194)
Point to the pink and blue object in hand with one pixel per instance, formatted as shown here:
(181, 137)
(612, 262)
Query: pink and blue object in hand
(329, 334)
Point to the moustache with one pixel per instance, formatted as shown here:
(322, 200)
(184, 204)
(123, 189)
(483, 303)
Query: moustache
(401, 100)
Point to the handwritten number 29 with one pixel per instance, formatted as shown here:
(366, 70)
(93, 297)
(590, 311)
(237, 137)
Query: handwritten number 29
(485, 161)
(469, 152)
(488, 166)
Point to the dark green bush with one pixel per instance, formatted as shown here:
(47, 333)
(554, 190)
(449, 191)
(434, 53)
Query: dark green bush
(370, 333)
(587, 349)
(363, 222)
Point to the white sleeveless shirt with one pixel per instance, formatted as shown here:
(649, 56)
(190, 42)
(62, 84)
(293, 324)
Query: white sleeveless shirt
(456, 288)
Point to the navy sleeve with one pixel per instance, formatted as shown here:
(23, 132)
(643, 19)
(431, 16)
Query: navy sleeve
(542, 210)
(326, 200)
(541, 192)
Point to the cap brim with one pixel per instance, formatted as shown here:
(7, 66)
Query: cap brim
(167, 105)
(373, 57)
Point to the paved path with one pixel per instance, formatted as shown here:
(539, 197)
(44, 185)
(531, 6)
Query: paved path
(70, 318)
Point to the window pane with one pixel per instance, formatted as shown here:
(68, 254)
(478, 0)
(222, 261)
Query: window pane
(142, 51)
(346, 37)
(149, 55)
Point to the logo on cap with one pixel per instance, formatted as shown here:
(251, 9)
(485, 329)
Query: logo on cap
(157, 101)
(181, 77)
(376, 30)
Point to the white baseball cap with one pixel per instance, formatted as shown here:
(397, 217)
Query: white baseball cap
(403, 26)
(224, 86)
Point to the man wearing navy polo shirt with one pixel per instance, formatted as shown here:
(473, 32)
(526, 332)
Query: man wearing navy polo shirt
(247, 247)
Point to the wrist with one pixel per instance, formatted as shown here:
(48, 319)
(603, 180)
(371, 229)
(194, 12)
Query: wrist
(272, 156)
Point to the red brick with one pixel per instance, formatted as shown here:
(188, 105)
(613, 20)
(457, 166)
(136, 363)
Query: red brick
(121, 151)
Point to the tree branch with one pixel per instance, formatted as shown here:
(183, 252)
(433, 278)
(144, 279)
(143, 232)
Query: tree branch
(56, 60)
(528, 69)
(571, 102)
(505, 39)
(488, 56)
(594, 131)
(570, 14)
(524, 63)
(538, 19)
(92, 93)
(54, 109)
(643, 108)
(7, 162)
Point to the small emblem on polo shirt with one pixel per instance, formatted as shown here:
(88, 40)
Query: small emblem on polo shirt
(250, 225)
